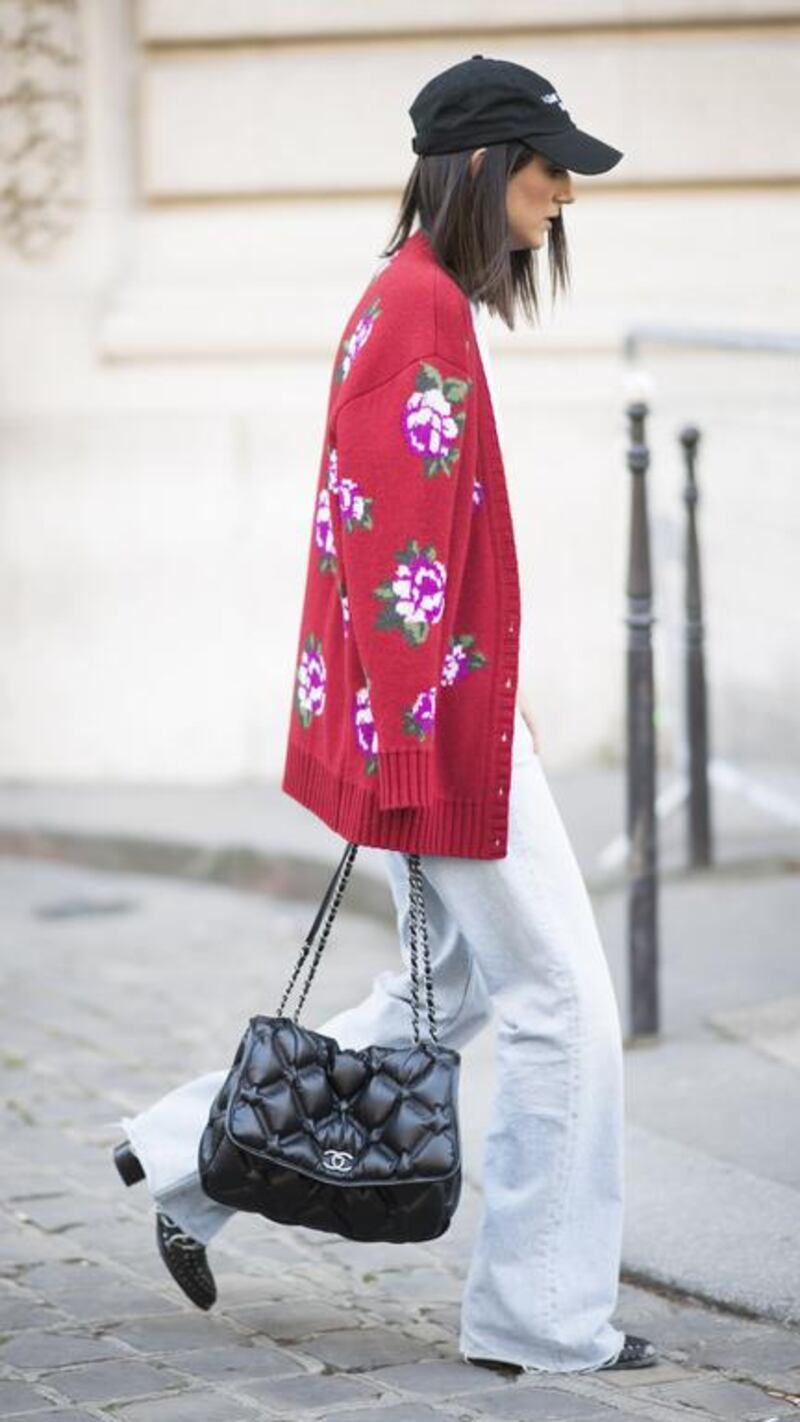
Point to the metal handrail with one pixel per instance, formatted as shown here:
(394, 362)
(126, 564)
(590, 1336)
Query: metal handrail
(777, 342)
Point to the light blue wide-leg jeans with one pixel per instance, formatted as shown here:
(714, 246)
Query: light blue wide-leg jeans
(515, 939)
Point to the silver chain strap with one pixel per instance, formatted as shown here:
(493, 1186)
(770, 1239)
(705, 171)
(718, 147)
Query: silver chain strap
(418, 929)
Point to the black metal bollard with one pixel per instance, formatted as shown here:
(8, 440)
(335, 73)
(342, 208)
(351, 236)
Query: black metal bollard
(643, 994)
(696, 702)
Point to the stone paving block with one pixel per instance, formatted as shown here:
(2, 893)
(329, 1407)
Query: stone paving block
(35, 1351)
(54, 1277)
(190, 1406)
(291, 1320)
(373, 1257)
(239, 1360)
(533, 1401)
(21, 1397)
(177, 1332)
(756, 1349)
(364, 1347)
(242, 1237)
(21, 1309)
(407, 1314)
(307, 1392)
(439, 1378)
(23, 1247)
(112, 1382)
(56, 1414)
(446, 1316)
(117, 1299)
(237, 1290)
(320, 1278)
(51, 1213)
(430, 1285)
(399, 1412)
(720, 1398)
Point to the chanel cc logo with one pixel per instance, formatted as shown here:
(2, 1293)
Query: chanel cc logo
(340, 1160)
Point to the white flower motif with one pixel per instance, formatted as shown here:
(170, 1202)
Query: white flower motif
(419, 590)
(323, 526)
(428, 422)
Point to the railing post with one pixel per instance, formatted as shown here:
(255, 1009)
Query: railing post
(700, 845)
(643, 995)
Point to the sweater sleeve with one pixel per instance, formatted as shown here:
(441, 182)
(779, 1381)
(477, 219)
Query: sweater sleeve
(398, 454)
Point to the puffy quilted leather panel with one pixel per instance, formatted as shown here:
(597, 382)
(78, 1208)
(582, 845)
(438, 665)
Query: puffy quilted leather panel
(362, 1143)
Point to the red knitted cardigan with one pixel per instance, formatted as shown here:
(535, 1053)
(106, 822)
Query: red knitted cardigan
(402, 709)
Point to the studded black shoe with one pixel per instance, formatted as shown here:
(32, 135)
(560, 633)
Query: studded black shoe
(185, 1258)
(634, 1353)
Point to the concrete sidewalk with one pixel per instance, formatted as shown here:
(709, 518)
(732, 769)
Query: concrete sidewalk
(102, 959)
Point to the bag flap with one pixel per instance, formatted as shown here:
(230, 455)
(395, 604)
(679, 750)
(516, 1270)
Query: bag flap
(372, 1116)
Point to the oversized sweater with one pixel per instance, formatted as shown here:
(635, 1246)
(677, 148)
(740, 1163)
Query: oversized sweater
(402, 706)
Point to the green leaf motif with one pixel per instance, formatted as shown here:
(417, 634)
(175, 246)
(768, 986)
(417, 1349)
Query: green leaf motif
(428, 377)
(455, 390)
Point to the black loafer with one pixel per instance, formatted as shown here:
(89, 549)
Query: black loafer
(185, 1258)
(128, 1163)
(634, 1353)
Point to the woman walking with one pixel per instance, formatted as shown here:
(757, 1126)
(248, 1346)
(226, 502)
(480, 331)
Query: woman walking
(408, 731)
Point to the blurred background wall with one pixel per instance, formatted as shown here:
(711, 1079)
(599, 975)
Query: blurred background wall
(192, 197)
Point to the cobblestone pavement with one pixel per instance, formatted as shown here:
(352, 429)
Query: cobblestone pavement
(114, 988)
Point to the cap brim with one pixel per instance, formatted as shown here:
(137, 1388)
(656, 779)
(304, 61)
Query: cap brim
(575, 149)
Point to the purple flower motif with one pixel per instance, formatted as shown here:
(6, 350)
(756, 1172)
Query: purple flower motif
(429, 425)
(357, 339)
(311, 678)
(418, 720)
(477, 492)
(323, 532)
(460, 660)
(345, 606)
(354, 506)
(364, 728)
(415, 596)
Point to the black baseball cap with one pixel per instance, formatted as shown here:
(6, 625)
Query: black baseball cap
(482, 101)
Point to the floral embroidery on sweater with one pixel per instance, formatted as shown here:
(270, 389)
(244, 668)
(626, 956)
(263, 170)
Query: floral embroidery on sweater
(364, 728)
(460, 660)
(357, 340)
(415, 595)
(344, 603)
(311, 678)
(419, 718)
(429, 425)
(355, 507)
(323, 532)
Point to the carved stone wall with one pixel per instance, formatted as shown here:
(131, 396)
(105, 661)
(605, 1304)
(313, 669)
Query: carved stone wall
(41, 123)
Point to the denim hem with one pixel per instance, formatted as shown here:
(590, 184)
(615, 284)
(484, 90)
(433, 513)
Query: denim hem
(466, 1352)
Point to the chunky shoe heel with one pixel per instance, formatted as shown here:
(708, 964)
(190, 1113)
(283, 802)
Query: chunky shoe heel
(128, 1163)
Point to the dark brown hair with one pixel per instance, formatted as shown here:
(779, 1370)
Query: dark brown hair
(464, 216)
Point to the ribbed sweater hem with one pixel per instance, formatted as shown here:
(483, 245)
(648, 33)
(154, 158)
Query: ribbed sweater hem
(462, 828)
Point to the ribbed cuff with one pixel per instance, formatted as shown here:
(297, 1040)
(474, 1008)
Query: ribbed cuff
(404, 778)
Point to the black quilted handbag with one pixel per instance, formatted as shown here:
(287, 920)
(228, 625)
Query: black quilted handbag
(361, 1143)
